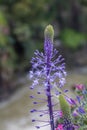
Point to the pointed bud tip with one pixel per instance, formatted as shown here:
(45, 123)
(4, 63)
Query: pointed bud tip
(49, 32)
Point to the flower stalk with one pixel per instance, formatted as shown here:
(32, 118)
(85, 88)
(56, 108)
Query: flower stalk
(48, 47)
(48, 71)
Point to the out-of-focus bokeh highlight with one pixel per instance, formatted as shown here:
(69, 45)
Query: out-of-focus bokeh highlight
(22, 24)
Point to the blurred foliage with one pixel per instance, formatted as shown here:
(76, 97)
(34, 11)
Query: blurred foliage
(72, 39)
(3, 29)
(22, 23)
(21, 29)
(7, 53)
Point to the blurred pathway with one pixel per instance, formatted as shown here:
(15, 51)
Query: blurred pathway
(14, 113)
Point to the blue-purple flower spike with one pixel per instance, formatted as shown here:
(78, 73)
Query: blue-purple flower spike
(48, 72)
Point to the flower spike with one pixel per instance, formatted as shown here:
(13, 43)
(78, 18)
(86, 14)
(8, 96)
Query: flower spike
(47, 68)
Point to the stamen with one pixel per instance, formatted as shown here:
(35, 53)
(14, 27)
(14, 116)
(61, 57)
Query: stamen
(37, 127)
(44, 114)
(33, 110)
(42, 126)
(38, 92)
(39, 121)
(37, 98)
(39, 102)
(40, 111)
(31, 87)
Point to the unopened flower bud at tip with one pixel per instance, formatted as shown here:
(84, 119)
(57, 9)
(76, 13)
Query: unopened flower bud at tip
(49, 32)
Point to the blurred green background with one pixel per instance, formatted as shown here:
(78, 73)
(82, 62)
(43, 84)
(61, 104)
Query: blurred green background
(22, 24)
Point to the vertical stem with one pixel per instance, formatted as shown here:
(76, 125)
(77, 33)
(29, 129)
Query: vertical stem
(50, 107)
(49, 96)
(48, 48)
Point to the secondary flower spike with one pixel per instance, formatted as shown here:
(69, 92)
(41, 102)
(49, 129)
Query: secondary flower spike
(48, 72)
